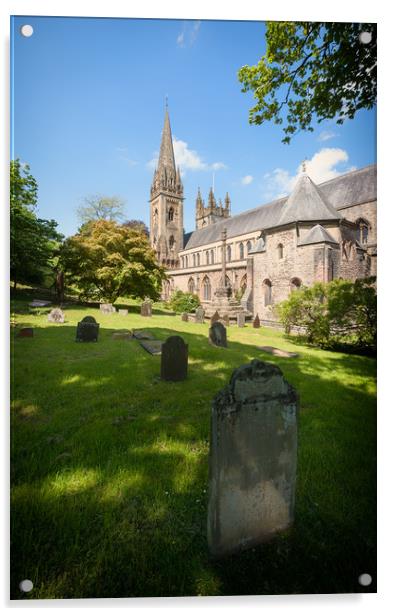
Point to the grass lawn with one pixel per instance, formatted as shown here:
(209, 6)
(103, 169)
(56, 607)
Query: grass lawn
(109, 465)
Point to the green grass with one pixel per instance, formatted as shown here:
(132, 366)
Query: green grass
(109, 465)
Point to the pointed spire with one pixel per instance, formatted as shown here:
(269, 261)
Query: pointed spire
(227, 202)
(167, 157)
(212, 201)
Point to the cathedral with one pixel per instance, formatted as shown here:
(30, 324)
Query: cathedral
(317, 233)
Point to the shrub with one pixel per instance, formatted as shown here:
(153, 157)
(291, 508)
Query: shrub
(183, 302)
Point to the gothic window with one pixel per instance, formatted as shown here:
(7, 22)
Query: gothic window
(362, 230)
(186, 260)
(241, 251)
(198, 259)
(248, 246)
(194, 259)
(207, 257)
(229, 253)
(171, 213)
(207, 290)
(280, 251)
(212, 256)
(296, 283)
(191, 286)
(155, 215)
(267, 285)
(171, 242)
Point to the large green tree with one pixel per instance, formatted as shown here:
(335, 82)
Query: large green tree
(106, 260)
(312, 71)
(34, 241)
(99, 207)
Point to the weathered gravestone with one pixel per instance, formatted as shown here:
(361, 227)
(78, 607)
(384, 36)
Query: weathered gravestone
(174, 359)
(256, 322)
(107, 308)
(26, 332)
(152, 346)
(241, 319)
(141, 334)
(146, 309)
(214, 318)
(123, 312)
(199, 315)
(218, 334)
(56, 316)
(253, 455)
(87, 330)
(184, 316)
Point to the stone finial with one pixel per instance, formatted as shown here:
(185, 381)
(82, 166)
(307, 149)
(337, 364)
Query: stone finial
(227, 202)
(304, 166)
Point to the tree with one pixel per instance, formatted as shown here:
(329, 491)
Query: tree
(98, 207)
(183, 302)
(137, 224)
(34, 241)
(315, 70)
(106, 260)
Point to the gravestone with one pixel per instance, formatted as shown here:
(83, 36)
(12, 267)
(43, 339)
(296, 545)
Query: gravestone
(151, 346)
(107, 308)
(123, 312)
(241, 319)
(253, 456)
(124, 334)
(174, 359)
(218, 334)
(26, 332)
(199, 315)
(146, 308)
(214, 318)
(256, 322)
(184, 316)
(87, 330)
(141, 334)
(56, 316)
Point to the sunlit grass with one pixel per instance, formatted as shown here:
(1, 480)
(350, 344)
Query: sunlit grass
(109, 464)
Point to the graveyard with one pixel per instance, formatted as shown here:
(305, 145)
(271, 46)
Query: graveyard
(110, 461)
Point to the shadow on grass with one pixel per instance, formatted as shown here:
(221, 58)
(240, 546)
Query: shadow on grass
(110, 467)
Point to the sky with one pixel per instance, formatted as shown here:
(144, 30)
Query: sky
(87, 110)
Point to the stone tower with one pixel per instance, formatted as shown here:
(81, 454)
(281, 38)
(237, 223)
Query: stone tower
(213, 212)
(166, 204)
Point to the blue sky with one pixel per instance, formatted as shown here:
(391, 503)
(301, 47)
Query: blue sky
(88, 100)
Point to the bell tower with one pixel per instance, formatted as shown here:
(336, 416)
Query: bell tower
(166, 204)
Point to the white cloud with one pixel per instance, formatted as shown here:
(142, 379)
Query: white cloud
(325, 135)
(321, 167)
(187, 159)
(124, 156)
(247, 179)
(188, 34)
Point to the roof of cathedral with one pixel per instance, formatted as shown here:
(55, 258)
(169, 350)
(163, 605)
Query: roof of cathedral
(316, 235)
(167, 156)
(307, 203)
(349, 189)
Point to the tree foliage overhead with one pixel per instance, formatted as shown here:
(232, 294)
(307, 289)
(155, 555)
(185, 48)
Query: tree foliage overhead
(99, 207)
(137, 224)
(106, 260)
(34, 241)
(312, 70)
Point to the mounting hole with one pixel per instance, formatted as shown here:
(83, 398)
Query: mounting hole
(26, 30)
(365, 579)
(365, 37)
(26, 585)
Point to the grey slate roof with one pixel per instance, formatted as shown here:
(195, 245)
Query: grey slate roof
(306, 203)
(316, 235)
(349, 189)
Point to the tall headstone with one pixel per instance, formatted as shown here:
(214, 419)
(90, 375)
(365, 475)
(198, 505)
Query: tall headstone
(253, 457)
(184, 316)
(218, 334)
(174, 359)
(56, 316)
(146, 308)
(241, 319)
(87, 330)
(214, 318)
(199, 315)
(256, 322)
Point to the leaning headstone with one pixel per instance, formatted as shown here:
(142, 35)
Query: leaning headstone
(174, 359)
(123, 312)
(218, 334)
(107, 308)
(184, 316)
(199, 315)
(146, 310)
(56, 316)
(256, 322)
(214, 318)
(241, 319)
(253, 454)
(87, 330)
(26, 332)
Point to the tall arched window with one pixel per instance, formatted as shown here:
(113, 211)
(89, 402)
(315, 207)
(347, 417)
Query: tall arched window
(229, 253)
(363, 227)
(280, 251)
(248, 246)
(241, 251)
(207, 290)
(194, 259)
(212, 256)
(267, 292)
(296, 283)
(207, 256)
(198, 259)
(191, 285)
(186, 260)
(171, 242)
(171, 213)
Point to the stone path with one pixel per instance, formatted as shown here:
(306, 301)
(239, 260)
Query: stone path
(277, 352)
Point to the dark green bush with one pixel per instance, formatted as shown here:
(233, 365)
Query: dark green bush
(183, 302)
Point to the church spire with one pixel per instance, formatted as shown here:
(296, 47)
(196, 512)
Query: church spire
(166, 160)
